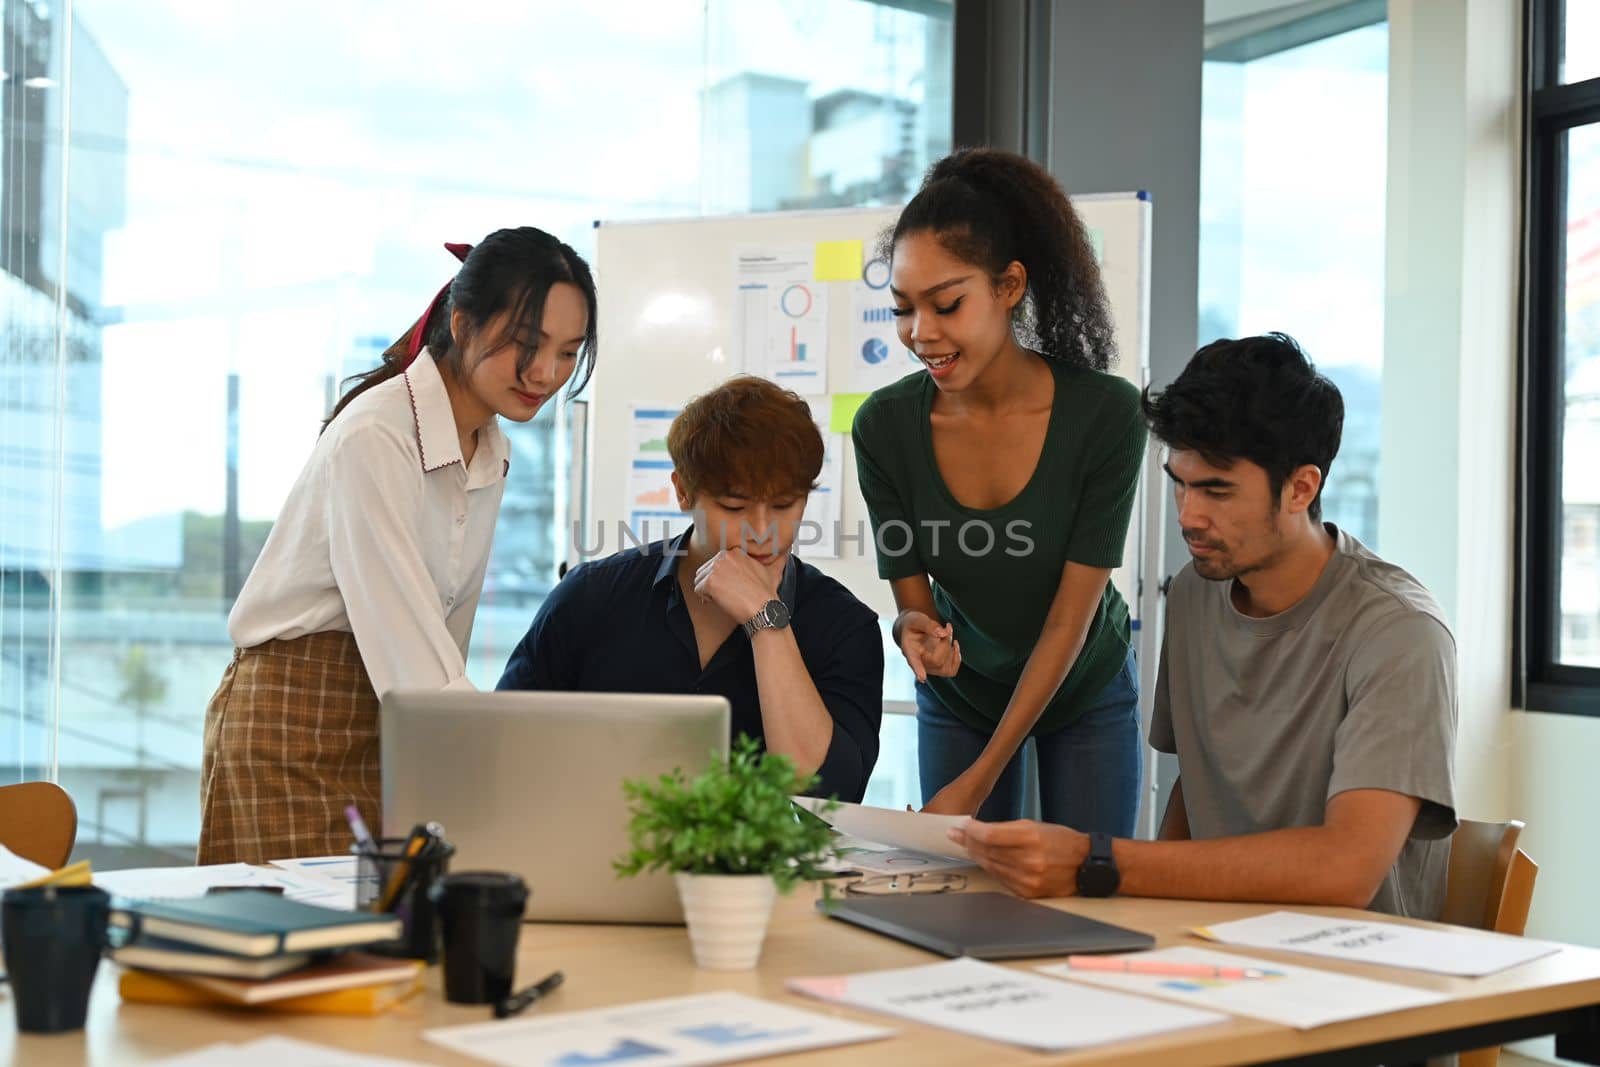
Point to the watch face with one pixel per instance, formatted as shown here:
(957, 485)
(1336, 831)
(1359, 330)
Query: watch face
(777, 614)
(1097, 878)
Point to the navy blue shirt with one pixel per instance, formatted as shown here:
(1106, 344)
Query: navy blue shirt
(620, 625)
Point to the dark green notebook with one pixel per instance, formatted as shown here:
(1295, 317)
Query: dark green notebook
(259, 924)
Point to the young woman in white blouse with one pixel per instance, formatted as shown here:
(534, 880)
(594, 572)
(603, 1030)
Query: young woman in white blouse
(372, 573)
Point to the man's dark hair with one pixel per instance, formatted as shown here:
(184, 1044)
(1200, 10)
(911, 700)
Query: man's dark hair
(1255, 398)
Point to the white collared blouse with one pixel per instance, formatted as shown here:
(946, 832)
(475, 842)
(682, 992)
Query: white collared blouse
(386, 535)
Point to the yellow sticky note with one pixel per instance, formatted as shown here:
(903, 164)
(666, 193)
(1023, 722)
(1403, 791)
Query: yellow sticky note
(837, 261)
(845, 406)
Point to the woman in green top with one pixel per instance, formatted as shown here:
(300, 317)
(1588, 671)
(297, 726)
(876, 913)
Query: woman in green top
(1000, 483)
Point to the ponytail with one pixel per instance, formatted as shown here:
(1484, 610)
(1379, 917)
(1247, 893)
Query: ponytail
(992, 208)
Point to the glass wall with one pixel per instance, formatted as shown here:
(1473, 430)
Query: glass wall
(1292, 185)
(215, 213)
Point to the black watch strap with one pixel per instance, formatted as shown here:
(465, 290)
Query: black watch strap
(1098, 875)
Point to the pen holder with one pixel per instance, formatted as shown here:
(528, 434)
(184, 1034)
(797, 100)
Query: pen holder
(388, 871)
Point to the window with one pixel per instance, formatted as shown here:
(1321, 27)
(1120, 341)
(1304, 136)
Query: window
(245, 204)
(1559, 560)
(1580, 41)
(1291, 116)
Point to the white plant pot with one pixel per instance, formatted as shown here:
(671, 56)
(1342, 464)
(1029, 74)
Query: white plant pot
(727, 916)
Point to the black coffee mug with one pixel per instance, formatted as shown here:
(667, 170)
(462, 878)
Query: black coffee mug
(54, 936)
(481, 913)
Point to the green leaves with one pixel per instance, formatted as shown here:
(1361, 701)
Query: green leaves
(733, 819)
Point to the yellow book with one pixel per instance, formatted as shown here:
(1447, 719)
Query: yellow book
(148, 987)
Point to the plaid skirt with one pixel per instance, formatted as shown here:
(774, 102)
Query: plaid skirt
(291, 738)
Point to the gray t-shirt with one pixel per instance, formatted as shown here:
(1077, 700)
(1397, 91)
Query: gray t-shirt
(1352, 688)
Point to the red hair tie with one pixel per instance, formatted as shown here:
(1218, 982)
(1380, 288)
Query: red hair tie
(420, 330)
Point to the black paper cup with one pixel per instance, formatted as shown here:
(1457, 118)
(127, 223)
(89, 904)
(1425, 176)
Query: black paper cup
(54, 936)
(481, 913)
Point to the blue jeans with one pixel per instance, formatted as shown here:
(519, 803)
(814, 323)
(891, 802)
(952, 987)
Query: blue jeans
(1089, 770)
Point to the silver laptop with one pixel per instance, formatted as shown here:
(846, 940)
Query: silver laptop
(532, 783)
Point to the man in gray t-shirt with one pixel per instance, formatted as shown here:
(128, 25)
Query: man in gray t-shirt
(1353, 687)
(1306, 685)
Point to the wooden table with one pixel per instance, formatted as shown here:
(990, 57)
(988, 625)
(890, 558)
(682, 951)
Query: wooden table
(607, 965)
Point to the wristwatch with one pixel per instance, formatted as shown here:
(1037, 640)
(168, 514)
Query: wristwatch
(774, 615)
(1097, 874)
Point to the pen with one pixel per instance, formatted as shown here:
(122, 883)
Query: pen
(517, 1001)
(358, 827)
(214, 889)
(1134, 965)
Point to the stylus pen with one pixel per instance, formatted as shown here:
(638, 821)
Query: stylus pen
(1134, 965)
(517, 1001)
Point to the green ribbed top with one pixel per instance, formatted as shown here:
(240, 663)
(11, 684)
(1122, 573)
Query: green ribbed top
(995, 570)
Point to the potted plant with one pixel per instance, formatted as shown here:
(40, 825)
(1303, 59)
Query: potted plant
(733, 841)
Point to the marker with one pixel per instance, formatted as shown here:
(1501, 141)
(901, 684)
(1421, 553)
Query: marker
(517, 1001)
(358, 828)
(1134, 965)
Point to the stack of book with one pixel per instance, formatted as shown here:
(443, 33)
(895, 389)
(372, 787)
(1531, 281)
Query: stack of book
(258, 950)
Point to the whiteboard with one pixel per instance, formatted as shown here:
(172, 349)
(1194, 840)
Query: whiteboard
(668, 331)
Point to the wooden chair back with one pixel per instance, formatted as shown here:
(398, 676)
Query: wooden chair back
(38, 822)
(1490, 887)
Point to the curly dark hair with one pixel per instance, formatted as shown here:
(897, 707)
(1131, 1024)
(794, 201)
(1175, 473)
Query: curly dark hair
(992, 208)
(1255, 398)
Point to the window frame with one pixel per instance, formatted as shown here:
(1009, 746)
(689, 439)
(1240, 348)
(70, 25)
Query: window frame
(1540, 681)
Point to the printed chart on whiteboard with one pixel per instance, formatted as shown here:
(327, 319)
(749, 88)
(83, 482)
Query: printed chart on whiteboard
(876, 357)
(652, 509)
(781, 316)
(818, 537)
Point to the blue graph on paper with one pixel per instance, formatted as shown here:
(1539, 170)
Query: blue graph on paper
(736, 1033)
(874, 351)
(625, 1051)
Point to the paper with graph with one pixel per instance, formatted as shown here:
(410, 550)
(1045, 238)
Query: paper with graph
(652, 511)
(781, 316)
(1302, 997)
(675, 1032)
(876, 357)
(1004, 1004)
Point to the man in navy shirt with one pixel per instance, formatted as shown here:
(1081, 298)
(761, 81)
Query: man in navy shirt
(725, 608)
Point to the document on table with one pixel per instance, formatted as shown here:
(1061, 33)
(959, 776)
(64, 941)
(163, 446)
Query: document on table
(869, 857)
(1001, 1004)
(176, 883)
(342, 870)
(886, 826)
(1301, 997)
(675, 1032)
(275, 1052)
(1467, 953)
